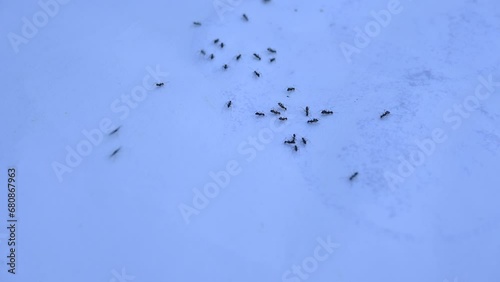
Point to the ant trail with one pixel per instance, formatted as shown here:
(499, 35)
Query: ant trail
(115, 152)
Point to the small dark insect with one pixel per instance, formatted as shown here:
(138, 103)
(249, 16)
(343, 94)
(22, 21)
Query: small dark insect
(115, 130)
(295, 148)
(160, 84)
(290, 89)
(353, 176)
(203, 52)
(271, 50)
(228, 104)
(212, 56)
(312, 120)
(216, 41)
(115, 152)
(385, 114)
(260, 114)
(326, 112)
(282, 106)
(245, 17)
(307, 111)
(256, 56)
(256, 73)
(283, 118)
(238, 57)
(272, 60)
(222, 45)
(225, 66)
(275, 112)
(197, 23)
(291, 141)
(304, 140)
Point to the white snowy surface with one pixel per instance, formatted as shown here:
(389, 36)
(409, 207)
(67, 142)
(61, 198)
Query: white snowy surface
(120, 214)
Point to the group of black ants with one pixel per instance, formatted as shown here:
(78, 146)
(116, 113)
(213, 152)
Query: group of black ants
(293, 141)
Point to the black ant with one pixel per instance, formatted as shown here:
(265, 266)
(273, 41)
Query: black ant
(304, 140)
(271, 50)
(272, 60)
(353, 176)
(290, 89)
(212, 56)
(275, 112)
(326, 112)
(295, 148)
(228, 104)
(307, 111)
(160, 84)
(216, 41)
(197, 23)
(312, 120)
(385, 114)
(256, 56)
(115, 131)
(203, 52)
(260, 114)
(291, 141)
(115, 152)
(225, 66)
(222, 45)
(256, 73)
(238, 57)
(245, 17)
(283, 118)
(282, 106)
